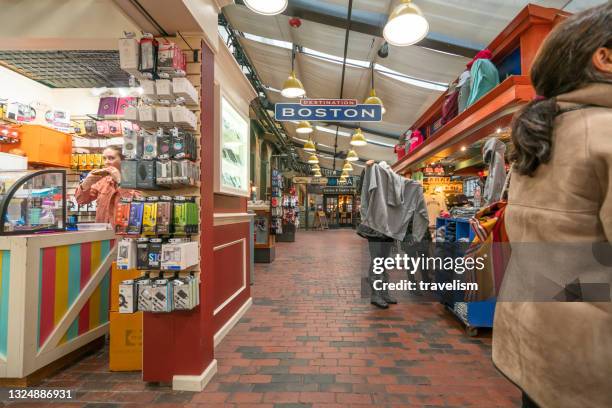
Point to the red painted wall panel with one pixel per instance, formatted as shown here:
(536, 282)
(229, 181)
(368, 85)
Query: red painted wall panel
(230, 204)
(229, 271)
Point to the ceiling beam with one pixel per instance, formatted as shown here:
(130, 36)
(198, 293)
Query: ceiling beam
(364, 129)
(297, 10)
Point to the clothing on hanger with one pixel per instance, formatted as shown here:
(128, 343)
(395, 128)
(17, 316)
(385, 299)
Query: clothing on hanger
(484, 78)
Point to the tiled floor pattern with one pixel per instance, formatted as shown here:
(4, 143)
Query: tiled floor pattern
(311, 341)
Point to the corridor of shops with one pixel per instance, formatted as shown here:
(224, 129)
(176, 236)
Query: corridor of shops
(311, 340)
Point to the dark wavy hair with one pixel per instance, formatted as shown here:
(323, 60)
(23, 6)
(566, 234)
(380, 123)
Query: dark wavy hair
(563, 64)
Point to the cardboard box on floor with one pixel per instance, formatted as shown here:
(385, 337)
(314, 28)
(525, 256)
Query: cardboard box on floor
(125, 349)
(117, 276)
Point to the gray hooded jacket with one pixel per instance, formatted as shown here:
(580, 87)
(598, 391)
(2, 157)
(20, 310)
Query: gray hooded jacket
(389, 202)
(493, 153)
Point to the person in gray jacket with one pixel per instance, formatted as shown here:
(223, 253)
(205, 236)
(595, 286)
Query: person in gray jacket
(390, 204)
(493, 153)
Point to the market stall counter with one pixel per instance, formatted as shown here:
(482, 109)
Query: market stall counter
(54, 300)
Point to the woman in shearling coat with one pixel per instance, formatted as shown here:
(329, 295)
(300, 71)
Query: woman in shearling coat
(553, 323)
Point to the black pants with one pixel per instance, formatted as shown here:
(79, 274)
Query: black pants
(528, 402)
(380, 248)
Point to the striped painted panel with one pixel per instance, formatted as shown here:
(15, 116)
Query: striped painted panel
(5, 262)
(64, 272)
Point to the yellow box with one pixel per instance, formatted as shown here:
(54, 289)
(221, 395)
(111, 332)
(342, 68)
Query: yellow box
(117, 276)
(125, 350)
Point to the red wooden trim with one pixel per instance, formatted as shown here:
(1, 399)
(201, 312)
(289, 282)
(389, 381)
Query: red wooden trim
(514, 90)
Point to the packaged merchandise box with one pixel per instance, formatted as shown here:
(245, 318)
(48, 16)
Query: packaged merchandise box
(117, 276)
(125, 349)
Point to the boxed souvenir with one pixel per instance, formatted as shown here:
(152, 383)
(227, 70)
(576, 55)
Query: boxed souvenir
(135, 221)
(128, 297)
(177, 256)
(149, 217)
(129, 55)
(129, 168)
(155, 246)
(163, 89)
(183, 88)
(163, 172)
(149, 150)
(122, 215)
(107, 106)
(124, 103)
(142, 253)
(164, 215)
(126, 254)
(145, 175)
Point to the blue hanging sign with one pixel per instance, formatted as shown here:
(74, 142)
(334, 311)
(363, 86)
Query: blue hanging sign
(328, 110)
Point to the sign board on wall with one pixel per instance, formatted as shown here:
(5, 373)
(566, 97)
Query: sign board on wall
(310, 180)
(332, 110)
(333, 181)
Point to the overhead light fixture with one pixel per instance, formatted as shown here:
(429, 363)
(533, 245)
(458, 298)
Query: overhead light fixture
(316, 167)
(309, 146)
(293, 88)
(463, 148)
(344, 174)
(313, 159)
(304, 127)
(266, 7)
(358, 139)
(352, 156)
(406, 25)
(318, 173)
(383, 51)
(347, 167)
(373, 99)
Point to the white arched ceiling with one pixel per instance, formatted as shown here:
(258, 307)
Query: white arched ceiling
(423, 72)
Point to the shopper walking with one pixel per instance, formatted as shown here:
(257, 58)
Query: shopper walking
(102, 186)
(392, 209)
(560, 353)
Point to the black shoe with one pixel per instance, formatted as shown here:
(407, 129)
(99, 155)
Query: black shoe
(390, 299)
(379, 303)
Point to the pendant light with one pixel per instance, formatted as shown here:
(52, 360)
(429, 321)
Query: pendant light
(347, 167)
(373, 99)
(344, 174)
(309, 146)
(316, 167)
(304, 127)
(358, 138)
(266, 7)
(293, 88)
(318, 173)
(352, 156)
(406, 25)
(313, 159)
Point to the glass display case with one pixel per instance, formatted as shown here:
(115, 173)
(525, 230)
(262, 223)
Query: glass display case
(32, 201)
(234, 171)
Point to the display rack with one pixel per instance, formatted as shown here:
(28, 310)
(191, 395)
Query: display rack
(177, 346)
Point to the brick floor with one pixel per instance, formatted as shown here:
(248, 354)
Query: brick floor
(310, 340)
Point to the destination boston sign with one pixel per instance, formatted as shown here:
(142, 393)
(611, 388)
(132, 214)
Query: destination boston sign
(330, 110)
